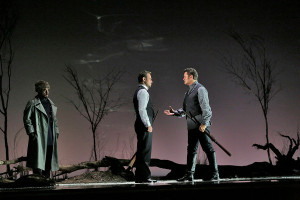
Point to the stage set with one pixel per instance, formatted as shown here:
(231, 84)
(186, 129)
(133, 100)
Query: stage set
(235, 188)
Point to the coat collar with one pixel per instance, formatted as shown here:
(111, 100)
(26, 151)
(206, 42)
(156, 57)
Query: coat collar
(144, 86)
(38, 104)
(192, 87)
(38, 101)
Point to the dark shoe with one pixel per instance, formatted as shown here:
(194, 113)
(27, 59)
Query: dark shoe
(214, 177)
(149, 180)
(187, 177)
(37, 171)
(46, 173)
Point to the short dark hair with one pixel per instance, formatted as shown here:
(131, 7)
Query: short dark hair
(192, 71)
(143, 74)
(41, 85)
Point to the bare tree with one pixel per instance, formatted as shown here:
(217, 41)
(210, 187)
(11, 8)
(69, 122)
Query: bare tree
(284, 160)
(254, 72)
(95, 98)
(8, 19)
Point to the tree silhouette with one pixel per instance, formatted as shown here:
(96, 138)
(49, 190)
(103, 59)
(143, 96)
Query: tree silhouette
(254, 72)
(8, 19)
(95, 98)
(285, 161)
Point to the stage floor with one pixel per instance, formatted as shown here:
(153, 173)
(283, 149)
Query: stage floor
(234, 188)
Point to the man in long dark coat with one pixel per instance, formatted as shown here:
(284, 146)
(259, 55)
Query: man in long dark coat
(40, 123)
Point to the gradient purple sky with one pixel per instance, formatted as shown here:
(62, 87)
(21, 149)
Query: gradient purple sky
(50, 34)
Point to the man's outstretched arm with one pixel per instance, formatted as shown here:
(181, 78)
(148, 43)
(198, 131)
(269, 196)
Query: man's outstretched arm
(171, 112)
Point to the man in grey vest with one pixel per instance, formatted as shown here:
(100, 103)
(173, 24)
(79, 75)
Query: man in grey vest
(143, 127)
(196, 104)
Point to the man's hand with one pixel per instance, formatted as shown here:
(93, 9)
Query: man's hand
(169, 112)
(150, 129)
(202, 128)
(33, 135)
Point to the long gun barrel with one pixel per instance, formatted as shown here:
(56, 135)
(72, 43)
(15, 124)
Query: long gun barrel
(208, 134)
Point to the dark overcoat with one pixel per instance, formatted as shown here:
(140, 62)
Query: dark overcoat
(36, 122)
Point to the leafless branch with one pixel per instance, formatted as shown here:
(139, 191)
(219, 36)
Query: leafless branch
(8, 20)
(95, 97)
(253, 72)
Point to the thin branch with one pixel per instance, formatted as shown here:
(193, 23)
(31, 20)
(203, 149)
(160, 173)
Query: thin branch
(95, 97)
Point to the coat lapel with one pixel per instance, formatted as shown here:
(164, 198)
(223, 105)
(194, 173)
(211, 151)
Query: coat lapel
(190, 91)
(54, 108)
(39, 106)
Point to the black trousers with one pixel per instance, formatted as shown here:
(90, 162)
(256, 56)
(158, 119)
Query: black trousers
(194, 138)
(143, 154)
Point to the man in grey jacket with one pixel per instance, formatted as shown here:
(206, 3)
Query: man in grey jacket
(143, 127)
(41, 126)
(196, 104)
